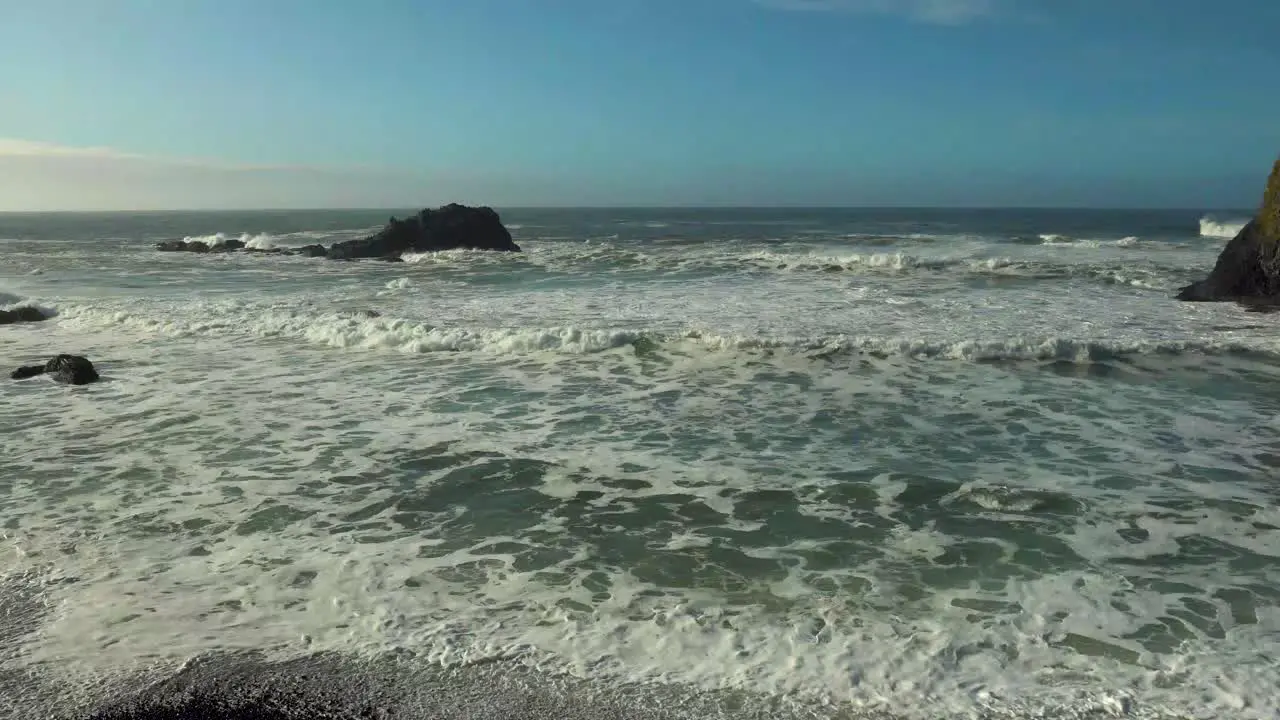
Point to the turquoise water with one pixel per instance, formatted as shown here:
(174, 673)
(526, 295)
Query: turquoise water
(853, 459)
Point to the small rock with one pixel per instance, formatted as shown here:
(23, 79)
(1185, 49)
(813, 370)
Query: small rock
(27, 371)
(71, 370)
(24, 313)
(66, 369)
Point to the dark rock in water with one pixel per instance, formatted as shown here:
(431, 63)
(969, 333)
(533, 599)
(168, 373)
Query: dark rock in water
(66, 369)
(194, 246)
(199, 246)
(27, 371)
(1248, 268)
(25, 313)
(447, 228)
(71, 370)
(451, 227)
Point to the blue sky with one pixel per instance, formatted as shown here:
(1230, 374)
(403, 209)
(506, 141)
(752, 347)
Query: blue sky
(303, 103)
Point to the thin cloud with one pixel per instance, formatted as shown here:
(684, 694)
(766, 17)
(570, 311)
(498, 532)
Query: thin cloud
(14, 147)
(938, 12)
(21, 148)
(45, 176)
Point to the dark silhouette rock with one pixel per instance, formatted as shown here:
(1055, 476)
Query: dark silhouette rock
(71, 370)
(199, 246)
(66, 369)
(27, 371)
(1248, 268)
(447, 228)
(24, 313)
(451, 227)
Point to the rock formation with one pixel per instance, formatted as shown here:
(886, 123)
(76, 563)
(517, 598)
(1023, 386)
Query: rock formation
(198, 246)
(450, 227)
(1248, 268)
(24, 313)
(65, 369)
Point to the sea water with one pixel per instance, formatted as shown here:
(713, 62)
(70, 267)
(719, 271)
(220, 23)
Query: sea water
(914, 464)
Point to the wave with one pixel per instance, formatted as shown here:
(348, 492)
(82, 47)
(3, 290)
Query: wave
(268, 241)
(1067, 240)
(1153, 277)
(368, 331)
(261, 241)
(1213, 228)
(10, 301)
(609, 258)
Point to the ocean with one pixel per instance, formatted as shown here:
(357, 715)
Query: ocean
(784, 463)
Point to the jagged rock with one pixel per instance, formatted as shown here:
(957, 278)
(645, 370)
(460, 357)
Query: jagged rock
(24, 313)
(66, 369)
(447, 228)
(1248, 268)
(313, 251)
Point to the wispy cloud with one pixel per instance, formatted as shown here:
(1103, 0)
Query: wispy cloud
(38, 175)
(21, 148)
(939, 12)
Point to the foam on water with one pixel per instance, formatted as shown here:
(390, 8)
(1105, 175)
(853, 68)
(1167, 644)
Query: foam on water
(268, 241)
(713, 466)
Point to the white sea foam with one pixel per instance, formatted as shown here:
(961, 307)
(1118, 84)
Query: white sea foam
(268, 241)
(328, 568)
(10, 301)
(1067, 241)
(341, 329)
(260, 241)
(1215, 228)
(715, 465)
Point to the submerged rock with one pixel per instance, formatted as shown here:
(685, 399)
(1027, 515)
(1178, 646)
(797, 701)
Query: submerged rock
(1248, 268)
(451, 227)
(65, 369)
(25, 313)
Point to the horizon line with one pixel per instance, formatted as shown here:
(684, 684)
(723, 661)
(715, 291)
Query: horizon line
(389, 208)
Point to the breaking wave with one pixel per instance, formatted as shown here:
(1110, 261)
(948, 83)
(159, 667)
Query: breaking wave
(268, 241)
(1214, 228)
(367, 331)
(1067, 240)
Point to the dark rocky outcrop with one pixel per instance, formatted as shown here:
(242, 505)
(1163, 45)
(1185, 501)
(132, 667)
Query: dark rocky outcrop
(451, 227)
(448, 228)
(197, 246)
(65, 369)
(24, 313)
(1248, 268)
